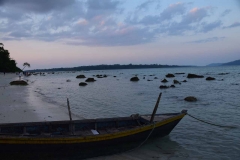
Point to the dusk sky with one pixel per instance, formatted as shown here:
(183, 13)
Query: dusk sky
(70, 33)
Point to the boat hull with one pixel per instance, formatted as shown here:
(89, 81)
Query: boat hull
(87, 149)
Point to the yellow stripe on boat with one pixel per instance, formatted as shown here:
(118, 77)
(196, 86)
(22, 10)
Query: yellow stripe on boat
(92, 138)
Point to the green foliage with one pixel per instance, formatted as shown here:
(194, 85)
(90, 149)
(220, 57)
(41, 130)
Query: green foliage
(6, 63)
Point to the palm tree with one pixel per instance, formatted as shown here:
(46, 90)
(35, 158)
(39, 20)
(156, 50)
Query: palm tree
(26, 64)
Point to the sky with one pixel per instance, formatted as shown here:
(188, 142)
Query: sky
(70, 33)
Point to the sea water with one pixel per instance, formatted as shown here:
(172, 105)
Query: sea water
(218, 102)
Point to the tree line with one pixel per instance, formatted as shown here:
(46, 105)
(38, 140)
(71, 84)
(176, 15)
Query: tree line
(7, 64)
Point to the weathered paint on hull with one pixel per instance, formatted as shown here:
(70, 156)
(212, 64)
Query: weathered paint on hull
(82, 150)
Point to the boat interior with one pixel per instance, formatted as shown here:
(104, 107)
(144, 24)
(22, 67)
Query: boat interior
(79, 128)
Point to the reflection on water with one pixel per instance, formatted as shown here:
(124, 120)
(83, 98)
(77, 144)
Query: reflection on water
(218, 102)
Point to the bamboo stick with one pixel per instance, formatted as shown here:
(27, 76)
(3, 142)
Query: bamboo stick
(69, 111)
(155, 108)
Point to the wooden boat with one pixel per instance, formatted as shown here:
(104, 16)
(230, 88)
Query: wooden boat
(83, 138)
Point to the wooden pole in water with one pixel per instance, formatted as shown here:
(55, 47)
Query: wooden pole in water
(69, 111)
(155, 108)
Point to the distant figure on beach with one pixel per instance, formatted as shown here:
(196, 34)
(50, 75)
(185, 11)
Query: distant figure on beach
(20, 75)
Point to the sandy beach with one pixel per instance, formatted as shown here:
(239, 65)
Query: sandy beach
(21, 104)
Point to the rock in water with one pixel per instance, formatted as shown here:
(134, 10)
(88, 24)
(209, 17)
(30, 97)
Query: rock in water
(210, 78)
(164, 80)
(194, 76)
(82, 84)
(134, 79)
(176, 81)
(190, 99)
(90, 80)
(169, 75)
(163, 87)
(81, 76)
(21, 83)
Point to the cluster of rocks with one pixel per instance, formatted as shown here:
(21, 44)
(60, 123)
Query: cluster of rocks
(101, 76)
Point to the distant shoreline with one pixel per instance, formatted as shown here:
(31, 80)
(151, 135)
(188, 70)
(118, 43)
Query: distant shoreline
(108, 67)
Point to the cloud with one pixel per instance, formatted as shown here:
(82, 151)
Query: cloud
(196, 15)
(122, 36)
(190, 22)
(100, 23)
(145, 5)
(172, 10)
(236, 24)
(40, 6)
(226, 12)
(212, 39)
(102, 5)
(210, 26)
(149, 20)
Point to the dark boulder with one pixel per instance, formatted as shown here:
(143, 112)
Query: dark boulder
(21, 83)
(169, 75)
(176, 81)
(90, 80)
(104, 75)
(190, 99)
(81, 76)
(172, 86)
(149, 80)
(184, 81)
(194, 76)
(163, 87)
(164, 80)
(155, 77)
(82, 84)
(210, 78)
(134, 79)
(114, 76)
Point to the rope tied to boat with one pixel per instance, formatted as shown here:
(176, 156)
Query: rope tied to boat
(210, 122)
(146, 138)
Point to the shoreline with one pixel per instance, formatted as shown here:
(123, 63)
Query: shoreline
(21, 104)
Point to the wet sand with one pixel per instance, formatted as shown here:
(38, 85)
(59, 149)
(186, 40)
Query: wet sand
(20, 104)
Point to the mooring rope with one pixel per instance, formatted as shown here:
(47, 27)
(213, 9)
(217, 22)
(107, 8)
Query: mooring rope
(133, 148)
(145, 139)
(211, 123)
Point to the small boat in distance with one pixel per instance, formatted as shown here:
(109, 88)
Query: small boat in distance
(80, 139)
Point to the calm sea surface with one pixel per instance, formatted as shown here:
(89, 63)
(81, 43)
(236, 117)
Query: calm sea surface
(218, 102)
